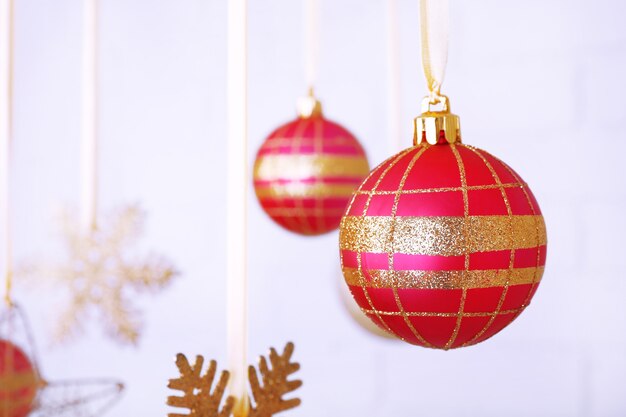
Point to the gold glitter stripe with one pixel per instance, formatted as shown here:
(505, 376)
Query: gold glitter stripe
(433, 314)
(12, 406)
(282, 142)
(304, 211)
(272, 167)
(18, 380)
(304, 190)
(441, 235)
(443, 189)
(445, 280)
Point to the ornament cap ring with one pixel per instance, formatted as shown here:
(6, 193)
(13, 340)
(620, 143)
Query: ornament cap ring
(436, 126)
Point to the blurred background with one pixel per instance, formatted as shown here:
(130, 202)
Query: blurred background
(538, 83)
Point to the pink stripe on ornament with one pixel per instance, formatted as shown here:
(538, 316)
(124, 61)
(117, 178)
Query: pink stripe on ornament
(404, 262)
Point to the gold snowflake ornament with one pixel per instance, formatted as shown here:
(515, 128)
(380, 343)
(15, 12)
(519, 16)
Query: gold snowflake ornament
(267, 392)
(101, 274)
(196, 388)
(268, 395)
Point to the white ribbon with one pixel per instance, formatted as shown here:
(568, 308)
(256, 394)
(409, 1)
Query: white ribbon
(393, 79)
(237, 190)
(6, 110)
(311, 42)
(434, 23)
(89, 134)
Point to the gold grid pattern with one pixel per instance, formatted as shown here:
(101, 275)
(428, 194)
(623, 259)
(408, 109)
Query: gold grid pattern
(304, 223)
(299, 190)
(505, 277)
(391, 243)
(319, 203)
(438, 314)
(443, 189)
(540, 228)
(279, 141)
(298, 217)
(291, 223)
(394, 160)
(466, 234)
(295, 212)
(512, 235)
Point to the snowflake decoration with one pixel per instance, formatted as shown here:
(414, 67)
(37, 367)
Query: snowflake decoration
(99, 273)
(199, 399)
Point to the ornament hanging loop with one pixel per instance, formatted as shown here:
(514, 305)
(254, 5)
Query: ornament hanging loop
(429, 101)
(308, 106)
(434, 93)
(436, 126)
(434, 24)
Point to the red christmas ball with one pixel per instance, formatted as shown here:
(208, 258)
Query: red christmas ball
(443, 245)
(18, 381)
(305, 173)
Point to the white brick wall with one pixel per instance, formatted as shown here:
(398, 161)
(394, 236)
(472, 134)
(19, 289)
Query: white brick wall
(540, 84)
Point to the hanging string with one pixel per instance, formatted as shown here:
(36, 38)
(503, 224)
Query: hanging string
(6, 132)
(89, 140)
(237, 189)
(393, 78)
(311, 43)
(434, 23)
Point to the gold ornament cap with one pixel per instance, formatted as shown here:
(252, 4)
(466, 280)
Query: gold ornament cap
(436, 126)
(308, 106)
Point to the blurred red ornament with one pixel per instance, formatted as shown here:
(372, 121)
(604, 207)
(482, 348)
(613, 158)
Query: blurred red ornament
(18, 381)
(24, 392)
(306, 170)
(443, 244)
